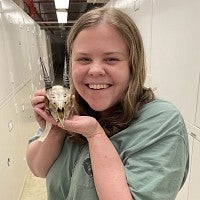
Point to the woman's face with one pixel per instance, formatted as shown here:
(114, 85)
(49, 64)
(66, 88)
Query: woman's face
(100, 66)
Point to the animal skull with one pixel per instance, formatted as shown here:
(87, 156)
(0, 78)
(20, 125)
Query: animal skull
(59, 101)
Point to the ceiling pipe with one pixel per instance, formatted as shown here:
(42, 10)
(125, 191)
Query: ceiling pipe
(31, 7)
(33, 11)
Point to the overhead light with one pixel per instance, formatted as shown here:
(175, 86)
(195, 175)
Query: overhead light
(62, 16)
(61, 4)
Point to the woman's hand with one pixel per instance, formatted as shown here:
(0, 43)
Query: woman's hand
(85, 125)
(39, 109)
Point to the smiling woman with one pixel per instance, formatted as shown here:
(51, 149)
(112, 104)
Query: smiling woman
(121, 142)
(105, 66)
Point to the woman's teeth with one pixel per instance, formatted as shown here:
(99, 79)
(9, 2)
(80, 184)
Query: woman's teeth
(98, 86)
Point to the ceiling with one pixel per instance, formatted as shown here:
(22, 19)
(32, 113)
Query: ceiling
(44, 13)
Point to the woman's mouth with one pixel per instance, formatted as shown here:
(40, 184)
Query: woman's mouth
(98, 86)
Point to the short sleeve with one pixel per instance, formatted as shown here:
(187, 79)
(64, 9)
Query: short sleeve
(157, 171)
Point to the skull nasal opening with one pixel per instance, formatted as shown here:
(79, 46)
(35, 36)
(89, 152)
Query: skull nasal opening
(60, 110)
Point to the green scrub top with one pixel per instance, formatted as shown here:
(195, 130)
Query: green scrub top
(154, 150)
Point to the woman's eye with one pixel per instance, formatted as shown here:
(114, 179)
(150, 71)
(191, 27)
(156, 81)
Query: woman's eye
(111, 60)
(84, 60)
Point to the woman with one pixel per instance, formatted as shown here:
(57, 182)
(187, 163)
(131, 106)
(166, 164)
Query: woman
(122, 142)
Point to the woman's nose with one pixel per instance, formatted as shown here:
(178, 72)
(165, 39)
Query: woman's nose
(96, 70)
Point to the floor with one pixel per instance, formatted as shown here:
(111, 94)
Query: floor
(34, 188)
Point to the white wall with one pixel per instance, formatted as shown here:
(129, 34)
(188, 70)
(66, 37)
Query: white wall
(171, 34)
(22, 43)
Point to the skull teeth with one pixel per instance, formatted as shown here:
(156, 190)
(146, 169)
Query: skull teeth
(98, 86)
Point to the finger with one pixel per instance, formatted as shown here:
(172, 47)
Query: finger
(45, 115)
(37, 100)
(41, 92)
(71, 124)
(72, 97)
(40, 105)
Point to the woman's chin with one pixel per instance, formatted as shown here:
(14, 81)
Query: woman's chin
(99, 107)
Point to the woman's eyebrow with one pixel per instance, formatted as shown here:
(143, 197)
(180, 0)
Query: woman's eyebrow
(81, 53)
(106, 53)
(113, 52)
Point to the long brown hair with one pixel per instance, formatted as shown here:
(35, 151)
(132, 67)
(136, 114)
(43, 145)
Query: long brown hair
(119, 116)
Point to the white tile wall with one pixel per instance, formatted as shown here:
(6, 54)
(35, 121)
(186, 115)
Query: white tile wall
(5, 79)
(20, 75)
(175, 53)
